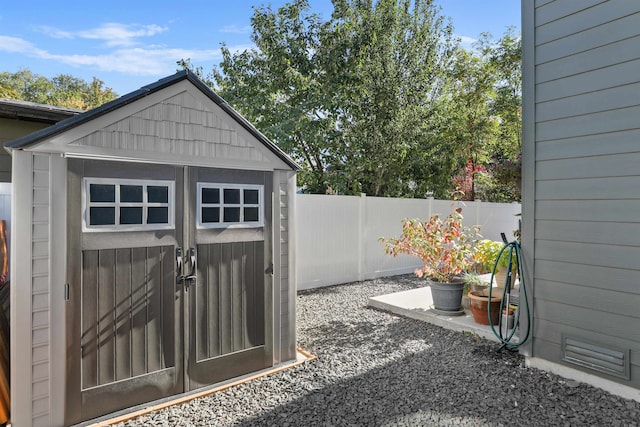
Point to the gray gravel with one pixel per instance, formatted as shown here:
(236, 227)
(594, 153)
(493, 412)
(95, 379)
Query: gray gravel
(377, 369)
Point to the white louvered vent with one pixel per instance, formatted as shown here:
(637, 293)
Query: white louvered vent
(594, 356)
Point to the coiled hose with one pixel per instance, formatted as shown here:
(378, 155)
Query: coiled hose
(513, 247)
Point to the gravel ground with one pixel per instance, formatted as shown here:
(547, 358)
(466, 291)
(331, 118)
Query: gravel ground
(377, 369)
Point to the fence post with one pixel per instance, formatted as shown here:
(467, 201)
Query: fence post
(362, 230)
(430, 205)
(477, 203)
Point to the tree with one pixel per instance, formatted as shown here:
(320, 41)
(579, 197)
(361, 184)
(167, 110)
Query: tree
(354, 99)
(279, 86)
(389, 64)
(505, 57)
(62, 90)
(486, 118)
(473, 127)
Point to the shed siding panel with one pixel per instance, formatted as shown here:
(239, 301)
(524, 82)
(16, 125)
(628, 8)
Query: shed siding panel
(181, 125)
(286, 285)
(40, 291)
(587, 147)
(288, 347)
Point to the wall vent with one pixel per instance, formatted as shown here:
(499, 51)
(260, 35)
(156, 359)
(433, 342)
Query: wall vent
(596, 357)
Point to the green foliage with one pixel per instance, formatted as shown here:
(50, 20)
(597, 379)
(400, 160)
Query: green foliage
(485, 118)
(485, 254)
(62, 90)
(444, 247)
(379, 98)
(357, 99)
(390, 60)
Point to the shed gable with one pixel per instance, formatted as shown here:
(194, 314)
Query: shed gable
(179, 125)
(177, 120)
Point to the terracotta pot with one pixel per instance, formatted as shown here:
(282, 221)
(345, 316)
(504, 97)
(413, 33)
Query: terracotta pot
(479, 303)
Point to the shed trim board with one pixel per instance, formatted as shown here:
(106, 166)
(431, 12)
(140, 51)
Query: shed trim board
(177, 122)
(528, 158)
(581, 233)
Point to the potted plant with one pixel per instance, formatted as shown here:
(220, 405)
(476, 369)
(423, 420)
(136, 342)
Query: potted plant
(485, 254)
(472, 282)
(503, 269)
(445, 248)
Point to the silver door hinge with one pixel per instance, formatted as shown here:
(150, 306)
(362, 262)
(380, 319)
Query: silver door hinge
(66, 292)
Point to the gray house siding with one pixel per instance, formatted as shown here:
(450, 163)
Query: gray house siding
(582, 134)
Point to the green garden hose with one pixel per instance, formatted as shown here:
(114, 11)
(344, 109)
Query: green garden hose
(524, 302)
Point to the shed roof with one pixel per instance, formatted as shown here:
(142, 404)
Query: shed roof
(75, 121)
(34, 112)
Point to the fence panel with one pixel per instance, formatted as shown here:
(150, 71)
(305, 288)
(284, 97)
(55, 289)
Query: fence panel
(327, 239)
(338, 236)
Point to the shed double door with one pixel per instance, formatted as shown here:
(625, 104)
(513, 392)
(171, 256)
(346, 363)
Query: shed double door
(154, 313)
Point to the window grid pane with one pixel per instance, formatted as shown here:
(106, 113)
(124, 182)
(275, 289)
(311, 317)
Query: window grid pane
(224, 205)
(128, 203)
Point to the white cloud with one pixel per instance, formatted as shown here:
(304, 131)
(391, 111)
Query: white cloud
(113, 33)
(54, 32)
(139, 61)
(234, 29)
(18, 45)
(151, 61)
(467, 40)
(121, 34)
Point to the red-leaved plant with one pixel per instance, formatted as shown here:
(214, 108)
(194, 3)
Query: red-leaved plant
(444, 247)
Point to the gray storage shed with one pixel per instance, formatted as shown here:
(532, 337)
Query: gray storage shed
(581, 188)
(150, 254)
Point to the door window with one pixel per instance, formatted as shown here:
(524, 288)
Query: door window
(127, 204)
(230, 205)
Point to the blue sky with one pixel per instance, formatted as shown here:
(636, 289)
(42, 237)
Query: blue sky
(128, 44)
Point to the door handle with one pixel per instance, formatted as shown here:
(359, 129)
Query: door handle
(179, 264)
(193, 258)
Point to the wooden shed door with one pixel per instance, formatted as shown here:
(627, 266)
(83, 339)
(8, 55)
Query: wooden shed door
(229, 291)
(154, 313)
(124, 321)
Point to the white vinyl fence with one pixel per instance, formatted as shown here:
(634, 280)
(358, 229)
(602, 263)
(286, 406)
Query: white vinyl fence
(338, 236)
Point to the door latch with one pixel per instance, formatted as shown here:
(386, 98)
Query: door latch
(179, 265)
(193, 260)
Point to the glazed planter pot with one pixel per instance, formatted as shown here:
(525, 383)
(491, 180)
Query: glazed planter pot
(501, 277)
(479, 303)
(507, 322)
(447, 296)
